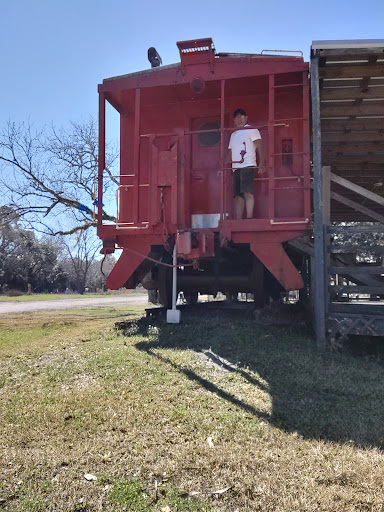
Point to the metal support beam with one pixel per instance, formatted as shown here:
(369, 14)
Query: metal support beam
(273, 256)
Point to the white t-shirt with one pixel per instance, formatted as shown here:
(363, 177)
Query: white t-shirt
(243, 140)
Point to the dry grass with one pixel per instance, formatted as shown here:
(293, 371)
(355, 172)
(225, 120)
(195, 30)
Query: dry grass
(211, 415)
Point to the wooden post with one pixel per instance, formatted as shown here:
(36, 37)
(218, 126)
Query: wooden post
(319, 263)
(326, 173)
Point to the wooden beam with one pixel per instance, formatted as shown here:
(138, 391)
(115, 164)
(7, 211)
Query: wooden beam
(336, 248)
(362, 290)
(356, 188)
(357, 71)
(357, 206)
(348, 216)
(352, 124)
(348, 82)
(357, 309)
(364, 169)
(356, 271)
(345, 230)
(360, 176)
(352, 196)
(365, 136)
(351, 93)
(356, 53)
(304, 246)
(340, 58)
(330, 159)
(366, 109)
(326, 196)
(364, 147)
(372, 59)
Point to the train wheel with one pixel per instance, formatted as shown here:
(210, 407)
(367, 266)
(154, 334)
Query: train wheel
(153, 296)
(191, 297)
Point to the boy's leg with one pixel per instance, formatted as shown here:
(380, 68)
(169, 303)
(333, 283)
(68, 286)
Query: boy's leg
(249, 204)
(239, 207)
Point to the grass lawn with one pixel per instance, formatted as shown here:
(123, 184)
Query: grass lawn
(59, 296)
(217, 414)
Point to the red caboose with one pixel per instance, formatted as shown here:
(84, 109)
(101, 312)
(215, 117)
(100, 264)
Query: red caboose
(176, 184)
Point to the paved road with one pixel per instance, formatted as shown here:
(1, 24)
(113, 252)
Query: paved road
(45, 305)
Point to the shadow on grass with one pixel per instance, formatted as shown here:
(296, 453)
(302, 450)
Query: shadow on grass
(335, 397)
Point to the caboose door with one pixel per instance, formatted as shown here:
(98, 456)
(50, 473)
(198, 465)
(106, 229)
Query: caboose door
(205, 176)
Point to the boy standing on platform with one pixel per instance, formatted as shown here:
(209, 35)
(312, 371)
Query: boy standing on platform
(243, 145)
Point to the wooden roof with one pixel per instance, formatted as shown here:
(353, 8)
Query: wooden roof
(352, 116)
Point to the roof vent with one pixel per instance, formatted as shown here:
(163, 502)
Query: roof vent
(197, 51)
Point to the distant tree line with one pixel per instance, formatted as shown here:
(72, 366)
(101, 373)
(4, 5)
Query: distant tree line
(49, 207)
(49, 264)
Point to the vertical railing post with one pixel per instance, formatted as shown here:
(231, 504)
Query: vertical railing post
(101, 160)
(271, 147)
(319, 281)
(182, 204)
(223, 172)
(152, 184)
(136, 153)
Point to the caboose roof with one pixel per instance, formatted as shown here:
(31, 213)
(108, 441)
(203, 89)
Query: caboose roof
(143, 72)
(348, 44)
(218, 57)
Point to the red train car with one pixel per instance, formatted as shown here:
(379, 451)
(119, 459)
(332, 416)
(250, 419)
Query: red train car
(175, 184)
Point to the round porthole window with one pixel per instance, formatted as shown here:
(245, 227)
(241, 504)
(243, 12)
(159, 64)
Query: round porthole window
(210, 138)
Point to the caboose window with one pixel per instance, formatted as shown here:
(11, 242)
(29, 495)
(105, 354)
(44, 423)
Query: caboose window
(209, 139)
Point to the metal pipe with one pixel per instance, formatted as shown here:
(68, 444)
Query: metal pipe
(305, 221)
(222, 164)
(271, 144)
(213, 130)
(173, 315)
(174, 276)
(101, 162)
(136, 155)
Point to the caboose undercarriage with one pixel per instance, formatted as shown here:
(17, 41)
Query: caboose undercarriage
(209, 263)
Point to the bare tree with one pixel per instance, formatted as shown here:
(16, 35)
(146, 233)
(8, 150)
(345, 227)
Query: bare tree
(98, 273)
(49, 174)
(81, 249)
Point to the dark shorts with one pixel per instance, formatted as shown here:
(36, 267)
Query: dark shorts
(243, 180)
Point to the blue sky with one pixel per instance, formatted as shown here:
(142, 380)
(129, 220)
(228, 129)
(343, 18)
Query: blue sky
(54, 53)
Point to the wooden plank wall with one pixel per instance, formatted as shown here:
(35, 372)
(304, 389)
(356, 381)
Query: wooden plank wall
(352, 123)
